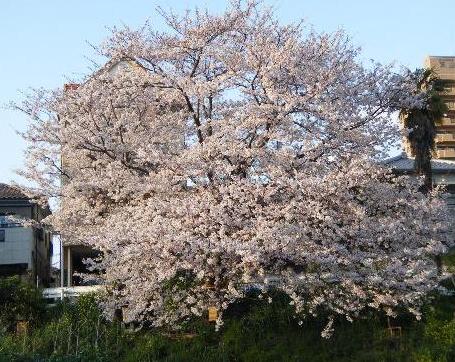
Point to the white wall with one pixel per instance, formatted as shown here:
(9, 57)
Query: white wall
(17, 247)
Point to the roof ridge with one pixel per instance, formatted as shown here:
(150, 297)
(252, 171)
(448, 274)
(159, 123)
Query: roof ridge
(402, 155)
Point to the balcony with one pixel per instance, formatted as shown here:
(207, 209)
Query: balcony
(446, 121)
(450, 105)
(445, 137)
(71, 292)
(445, 73)
(446, 153)
(448, 91)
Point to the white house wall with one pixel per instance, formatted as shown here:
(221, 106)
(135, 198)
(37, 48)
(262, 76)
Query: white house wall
(17, 247)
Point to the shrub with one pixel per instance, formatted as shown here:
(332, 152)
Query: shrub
(19, 301)
(254, 330)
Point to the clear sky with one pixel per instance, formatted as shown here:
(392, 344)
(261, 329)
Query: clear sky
(45, 42)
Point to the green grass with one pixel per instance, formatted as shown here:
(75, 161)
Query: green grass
(254, 330)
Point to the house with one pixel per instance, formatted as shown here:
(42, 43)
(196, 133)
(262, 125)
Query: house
(443, 173)
(74, 253)
(25, 249)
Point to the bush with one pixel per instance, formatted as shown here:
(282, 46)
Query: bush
(69, 332)
(254, 330)
(19, 301)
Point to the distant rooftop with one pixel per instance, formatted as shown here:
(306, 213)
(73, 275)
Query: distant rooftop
(11, 192)
(404, 163)
(441, 56)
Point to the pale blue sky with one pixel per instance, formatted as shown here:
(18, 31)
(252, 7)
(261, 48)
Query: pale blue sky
(43, 43)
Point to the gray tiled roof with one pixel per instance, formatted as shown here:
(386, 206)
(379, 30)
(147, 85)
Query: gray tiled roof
(404, 163)
(11, 192)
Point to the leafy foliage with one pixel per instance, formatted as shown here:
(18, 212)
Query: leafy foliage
(420, 122)
(255, 330)
(70, 332)
(19, 301)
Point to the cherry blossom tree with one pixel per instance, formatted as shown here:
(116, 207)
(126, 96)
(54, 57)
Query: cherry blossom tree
(231, 149)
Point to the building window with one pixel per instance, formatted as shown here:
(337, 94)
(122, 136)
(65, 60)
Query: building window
(2, 236)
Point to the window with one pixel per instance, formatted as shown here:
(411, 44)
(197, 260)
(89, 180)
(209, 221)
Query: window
(2, 236)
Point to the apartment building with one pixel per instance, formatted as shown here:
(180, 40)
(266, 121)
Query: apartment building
(25, 247)
(444, 67)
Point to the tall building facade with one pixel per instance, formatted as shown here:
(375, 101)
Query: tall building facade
(444, 67)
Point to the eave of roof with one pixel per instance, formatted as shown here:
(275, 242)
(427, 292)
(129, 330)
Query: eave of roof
(403, 163)
(8, 192)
